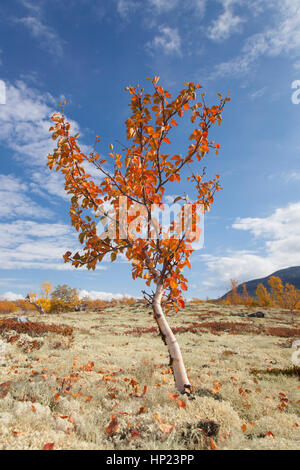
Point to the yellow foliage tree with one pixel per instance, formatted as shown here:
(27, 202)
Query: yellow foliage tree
(44, 299)
(286, 296)
(263, 298)
(64, 299)
(234, 297)
(291, 299)
(276, 287)
(246, 298)
(7, 307)
(43, 302)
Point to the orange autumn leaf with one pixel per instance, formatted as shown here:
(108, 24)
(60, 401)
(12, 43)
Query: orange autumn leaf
(133, 382)
(217, 386)
(15, 433)
(166, 428)
(142, 409)
(49, 446)
(113, 426)
(212, 444)
(181, 403)
(173, 396)
(161, 420)
(135, 433)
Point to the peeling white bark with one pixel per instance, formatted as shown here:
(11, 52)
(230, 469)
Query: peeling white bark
(37, 306)
(176, 361)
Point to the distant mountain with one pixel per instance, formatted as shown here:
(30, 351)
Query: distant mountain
(290, 275)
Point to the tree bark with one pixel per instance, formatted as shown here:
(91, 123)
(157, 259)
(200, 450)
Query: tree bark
(176, 361)
(37, 306)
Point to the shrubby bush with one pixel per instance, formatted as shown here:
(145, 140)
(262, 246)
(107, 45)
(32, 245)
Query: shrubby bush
(7, 307)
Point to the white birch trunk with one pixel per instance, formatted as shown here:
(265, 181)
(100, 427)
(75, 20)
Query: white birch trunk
(37, 306)
(176, 361)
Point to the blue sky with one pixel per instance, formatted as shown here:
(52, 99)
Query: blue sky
(88, 51)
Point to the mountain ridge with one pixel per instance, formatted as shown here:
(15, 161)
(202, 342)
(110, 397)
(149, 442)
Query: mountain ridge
(290, 275)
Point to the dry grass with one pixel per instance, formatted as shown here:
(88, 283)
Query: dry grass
(101, 381)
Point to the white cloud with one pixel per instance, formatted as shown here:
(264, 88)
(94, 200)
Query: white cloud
(28, 244)
(32, 245)
(284, 222)
(51, 182)
(14, 202)
(279, 235)
(226, 24)
(297, 65)
(163, 5)
(281, 38)
(33, 6)
(11, 296)
(198, 6)
(25, 122)
(167, 41)
(47, 37)
(94, 295)
(240, 265)
(258, 93)
(126, 7)
(292, 175)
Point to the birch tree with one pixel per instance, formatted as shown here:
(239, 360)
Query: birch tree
(136, 178)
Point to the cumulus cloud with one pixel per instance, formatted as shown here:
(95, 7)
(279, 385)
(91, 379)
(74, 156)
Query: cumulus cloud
(15, 202)
(32, 245)
(163, 5)
(282, 224)
(226, 24)
(44, 181)
(283, 37)
(156, 7)
(167, 40)
(279, 237)
(11, 296)
(46, 36)
(95, 295)
(25, 122)
(126, 7)
(28, 244)
(290, 176)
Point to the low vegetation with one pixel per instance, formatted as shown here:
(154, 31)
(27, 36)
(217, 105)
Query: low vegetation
(87, 380)
(279, 295)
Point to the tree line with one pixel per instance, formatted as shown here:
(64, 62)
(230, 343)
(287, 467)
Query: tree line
(279, 295)
(62, 298)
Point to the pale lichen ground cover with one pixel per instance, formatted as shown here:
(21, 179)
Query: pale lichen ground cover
(67, 391)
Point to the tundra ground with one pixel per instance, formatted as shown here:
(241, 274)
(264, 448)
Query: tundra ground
(107, 384)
